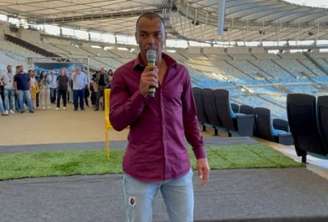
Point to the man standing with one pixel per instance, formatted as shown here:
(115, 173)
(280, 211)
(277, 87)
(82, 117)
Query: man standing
(86, 88)
(80, 81)
(157, 157)
(62, 88)
(101, 81)
(53, 87)
(9, 92)
(22, 85)
(2, 108)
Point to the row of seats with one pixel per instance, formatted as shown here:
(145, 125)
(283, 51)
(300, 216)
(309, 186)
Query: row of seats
(308, 120)
(276, 130)
(215, 110)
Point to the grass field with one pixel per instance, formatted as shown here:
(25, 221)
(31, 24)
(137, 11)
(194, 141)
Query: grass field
(72, 162)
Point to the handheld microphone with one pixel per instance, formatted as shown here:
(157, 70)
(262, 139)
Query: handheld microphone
(151, 56)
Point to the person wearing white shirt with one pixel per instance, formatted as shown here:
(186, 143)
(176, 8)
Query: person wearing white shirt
(44, 90)
(80, 81)
(2, 108)
(9, 91)
(53, 87)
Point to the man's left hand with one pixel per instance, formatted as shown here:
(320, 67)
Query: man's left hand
(203, 170)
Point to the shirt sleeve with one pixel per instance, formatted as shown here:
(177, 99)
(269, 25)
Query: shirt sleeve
(190, 120)
(5, 78)
(124, 108)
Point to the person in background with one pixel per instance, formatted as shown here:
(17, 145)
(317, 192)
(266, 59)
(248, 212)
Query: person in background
(53, 87)
(44, 90)
(2, 84)
(87, 91)
(17, 108)
(101, 82)
(62, 88)
(156, 158)
(9, 91)
(79, 83)
(22, 83)
(94, 89)
(38, 80)
(70, 87)
(110, 74)
(2, 108)
(34, 87)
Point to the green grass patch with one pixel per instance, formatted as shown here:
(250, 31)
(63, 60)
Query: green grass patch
(247, 156)
(75, 162)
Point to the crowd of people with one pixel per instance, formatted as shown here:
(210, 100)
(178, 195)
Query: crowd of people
(29, 91)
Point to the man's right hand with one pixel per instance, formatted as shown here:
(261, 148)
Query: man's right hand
(148, 78)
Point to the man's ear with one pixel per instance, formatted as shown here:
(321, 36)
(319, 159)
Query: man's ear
(137, 37)
(164, 41)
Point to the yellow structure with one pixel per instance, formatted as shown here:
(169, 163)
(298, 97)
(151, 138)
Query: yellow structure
(107, 123)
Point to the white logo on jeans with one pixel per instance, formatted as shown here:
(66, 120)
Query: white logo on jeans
(132, 201)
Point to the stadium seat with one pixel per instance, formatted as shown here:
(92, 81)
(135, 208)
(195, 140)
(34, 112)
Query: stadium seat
(197, 92)
(241, 123)
(302, 118)
(211, 109)
(280, 124)
(264, 127)
(246, 109)
(323, 119)
(235, 107)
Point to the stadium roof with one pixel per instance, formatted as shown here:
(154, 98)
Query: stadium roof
(245, 20)
(312, 3)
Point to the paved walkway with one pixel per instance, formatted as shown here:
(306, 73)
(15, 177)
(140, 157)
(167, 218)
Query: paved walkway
(262, 195)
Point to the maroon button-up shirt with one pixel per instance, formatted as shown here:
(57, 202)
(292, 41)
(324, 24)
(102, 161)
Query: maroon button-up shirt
(157, 148)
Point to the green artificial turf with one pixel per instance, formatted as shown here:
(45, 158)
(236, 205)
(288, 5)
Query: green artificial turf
(75, 162)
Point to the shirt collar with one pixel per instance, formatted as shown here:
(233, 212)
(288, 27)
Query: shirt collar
(139, 66)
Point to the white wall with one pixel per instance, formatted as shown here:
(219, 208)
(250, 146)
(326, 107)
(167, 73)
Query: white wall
(29, 36)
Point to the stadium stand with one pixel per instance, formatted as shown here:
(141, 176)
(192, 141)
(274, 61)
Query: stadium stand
(213, 71)
(265, 76)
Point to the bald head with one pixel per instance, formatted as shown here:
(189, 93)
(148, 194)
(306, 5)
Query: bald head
(149, 16)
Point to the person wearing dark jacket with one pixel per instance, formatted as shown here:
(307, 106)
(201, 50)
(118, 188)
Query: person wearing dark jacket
(22, 84)
(101, 82)
(62, 82)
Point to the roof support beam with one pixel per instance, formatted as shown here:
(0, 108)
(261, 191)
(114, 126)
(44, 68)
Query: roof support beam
(92, 17)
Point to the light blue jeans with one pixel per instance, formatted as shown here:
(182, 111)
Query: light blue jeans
(177, 193)
(25, 95)
(2, 110)
(9, 99)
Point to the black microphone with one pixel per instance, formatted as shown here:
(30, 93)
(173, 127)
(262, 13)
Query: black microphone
(151, 56)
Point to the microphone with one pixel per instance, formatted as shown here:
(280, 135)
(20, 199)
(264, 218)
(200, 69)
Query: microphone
(151, 56)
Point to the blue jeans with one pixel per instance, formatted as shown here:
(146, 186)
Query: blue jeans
(78, 98)
(177, 193)
(25, 95)
(9, 99)
(53, 94)
(2, 110)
